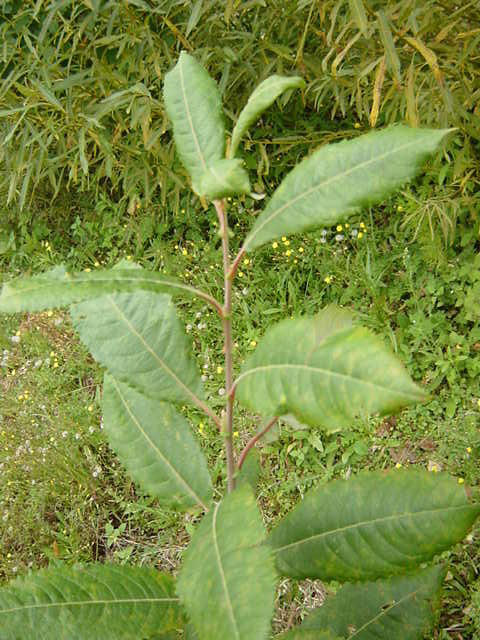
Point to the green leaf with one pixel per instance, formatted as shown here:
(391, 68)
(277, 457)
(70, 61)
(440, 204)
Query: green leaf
(263, 96)
(251, 469)
(389, 46)
(308, 634)
(357, 9)
(374, 525)
(324, 372)
(58, 288)
(140, 340)
(227, 583)
(194, 106)
(340, 179)
(400, 608)
(90, 602)
(155, 444)
(224, 178)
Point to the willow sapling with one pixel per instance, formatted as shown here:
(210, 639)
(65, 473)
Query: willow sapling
(376, 531)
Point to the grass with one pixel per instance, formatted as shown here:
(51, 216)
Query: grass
(65, 497)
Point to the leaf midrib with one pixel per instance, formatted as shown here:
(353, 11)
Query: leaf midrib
(115, 601)
(190, 120)
(325, 183)
(222, 572)
(385, 612)
(195, 399)
(358, 525)
(322, 371)
(87, 280)
(167, 462)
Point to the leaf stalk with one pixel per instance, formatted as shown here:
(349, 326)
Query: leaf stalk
(253, 441)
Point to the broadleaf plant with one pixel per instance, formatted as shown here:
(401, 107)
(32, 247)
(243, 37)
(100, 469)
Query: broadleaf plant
(374, 531)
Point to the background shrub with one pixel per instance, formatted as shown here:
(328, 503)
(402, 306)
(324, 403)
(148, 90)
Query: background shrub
(80, 83)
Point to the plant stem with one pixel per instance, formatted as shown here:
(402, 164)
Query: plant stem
(228, 343)
(252, 442)
(233, 269)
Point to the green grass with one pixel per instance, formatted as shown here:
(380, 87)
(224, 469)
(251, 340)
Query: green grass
(65, 497)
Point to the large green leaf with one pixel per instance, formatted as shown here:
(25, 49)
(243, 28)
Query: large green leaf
(58, 288)
(193, 104)
(308, 634)
(155, 444)
(400, 608)
(227, 583)
(139, 338)
(374, 525)
(262, 97)
(339, 179)
(90, 602)
(224, 178)
(324, 371)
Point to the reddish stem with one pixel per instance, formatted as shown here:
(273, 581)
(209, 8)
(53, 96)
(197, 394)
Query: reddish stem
(228, 343)
(235, 264)
(253, 441)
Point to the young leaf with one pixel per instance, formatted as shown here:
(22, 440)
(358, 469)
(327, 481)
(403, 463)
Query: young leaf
(263, 96)
(227, 583)
(58, 288)
(138, 337)
(89, 602)
(155, 444)
(324, 372)
(194, 106)
(224, 178)
(401, 607)
(389, 46)
(372, 526)
(340, 179)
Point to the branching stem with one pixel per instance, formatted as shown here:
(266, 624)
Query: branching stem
(228, 343)
(253, 441)
(235, 264)
(211, 301)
